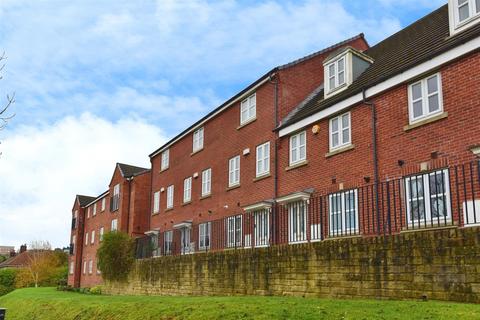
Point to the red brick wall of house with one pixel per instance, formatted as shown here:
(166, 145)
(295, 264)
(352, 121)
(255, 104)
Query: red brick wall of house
(450, 138)
(222, 141)
(140, 204)
(74, 278)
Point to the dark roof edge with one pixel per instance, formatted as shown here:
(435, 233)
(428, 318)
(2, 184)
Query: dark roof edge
(339, 44)
(253, 84)
(97, 198)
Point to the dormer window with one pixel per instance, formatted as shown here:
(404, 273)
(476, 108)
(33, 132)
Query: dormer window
(342, 68)
(198, 140)
(336, 74)
(463, 14)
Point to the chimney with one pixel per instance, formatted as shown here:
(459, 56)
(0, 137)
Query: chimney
(12, 253)
(23, 248)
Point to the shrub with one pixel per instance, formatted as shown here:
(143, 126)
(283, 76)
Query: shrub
(7, 280)
(96, 290)
(116, 256)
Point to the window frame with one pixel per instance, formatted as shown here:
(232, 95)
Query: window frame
(340, 131)
(234, 236)
(104, 203)
(114, 225)
(425, 99)
(204, 235)
(473, 15)
(427, 199)
(246, 106)
(187, 190)
(335, 76)
(234, 171)
(206, 182)
(342, 229)
(264, 161)
(92, 237)
(297, 150)
(297, 218)
(167, 242)
(90, 266)
(198, 139)
(71, 268)
(261, 229)
(170, 195)
(165, 160)
(101, 231)
(86, 239)
(116, 197)
(156, 202)
(94, 210)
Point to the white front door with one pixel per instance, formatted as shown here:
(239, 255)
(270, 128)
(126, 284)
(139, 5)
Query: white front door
(185, 240)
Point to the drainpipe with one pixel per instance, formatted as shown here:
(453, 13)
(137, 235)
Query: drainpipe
(129, 179)
(149, 214)
(273, 78)
(374, 155)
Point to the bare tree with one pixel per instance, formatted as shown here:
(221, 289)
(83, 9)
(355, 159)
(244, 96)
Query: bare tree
(4, 115)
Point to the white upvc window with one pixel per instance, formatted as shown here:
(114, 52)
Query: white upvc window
(170, 191)
(234, 231)
(340, 131)
(114, 225)
(297, 221)
(343, 213)
(206, 182)
(198, 139)
(465, 11)
(165, 159)
(428, 198)
(90, 267)
(98, 269)
(84, 266)
(72, 266)
(248, 109)
(262, 228)
(86, 238)
(74, 239)
(167, 242)
(101, 232)
(234, 171)
(88, 212)
(187, 190)
(298, 148)
(92, 238)
(336, 75)
(263, 159)
(156, 202)
(425, 98)
(95, 209)
(116, 197)
(204, 236)
(104, 200)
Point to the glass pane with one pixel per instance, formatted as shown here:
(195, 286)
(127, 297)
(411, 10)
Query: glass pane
(416, 185)
(341, 78)
(417, 210)
(335, 140)
(438, 207)
(345, 121)
(437, 184)
(416, 91)
(302, 152)
(417, 109)
(341, 65)
(294, 142)
(463, 10)
(346, 136)
(331, 69)
(332, 83)
(433, 103)
(335, 125)
(432, 84)
(302, 138)
(478, 5)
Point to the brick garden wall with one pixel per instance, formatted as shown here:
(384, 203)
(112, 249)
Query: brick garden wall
(439, 264)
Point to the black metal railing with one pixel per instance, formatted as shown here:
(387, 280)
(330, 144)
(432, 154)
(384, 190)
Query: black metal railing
(442, 197)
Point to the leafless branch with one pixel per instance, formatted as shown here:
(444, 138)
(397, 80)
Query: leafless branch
(4, 117)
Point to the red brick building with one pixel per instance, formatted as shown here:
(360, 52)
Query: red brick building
(350, 141)
(124, 207)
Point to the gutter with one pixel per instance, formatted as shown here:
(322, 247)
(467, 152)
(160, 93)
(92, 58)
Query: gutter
(273, 78)
(129, 179)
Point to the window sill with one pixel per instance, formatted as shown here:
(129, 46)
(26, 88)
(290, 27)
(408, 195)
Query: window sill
(420, 123)
(422, 227)
(296, 165)
(206, 196)
(233, 187)
(246, 123)
(186, 203)
(155, 213)
(168, 209)
(259, 178)
(196, 151)
(340, 150)
(162, 170)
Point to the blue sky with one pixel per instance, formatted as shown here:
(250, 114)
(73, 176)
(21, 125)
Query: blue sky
(105, 81)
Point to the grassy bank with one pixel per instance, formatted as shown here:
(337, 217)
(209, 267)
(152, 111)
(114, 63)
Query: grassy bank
(47, 303)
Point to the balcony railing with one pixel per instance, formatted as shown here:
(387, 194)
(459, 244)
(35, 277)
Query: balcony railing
(443, 197)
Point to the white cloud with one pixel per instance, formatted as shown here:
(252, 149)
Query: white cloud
(41, 170)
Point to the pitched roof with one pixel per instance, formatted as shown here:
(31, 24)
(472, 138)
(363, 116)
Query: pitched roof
(253, 85)
(130, 171)
(19, 261)
(84, 200)
(417, 43)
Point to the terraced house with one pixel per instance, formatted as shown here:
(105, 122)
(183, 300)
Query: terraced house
(350, 141)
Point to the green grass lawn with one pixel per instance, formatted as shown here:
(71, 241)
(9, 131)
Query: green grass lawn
(47, 303)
